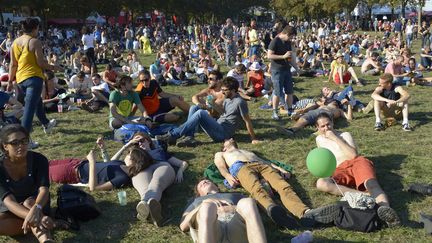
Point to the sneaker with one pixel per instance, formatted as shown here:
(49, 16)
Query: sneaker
(187, 142)
(388, 215)
(427, 222)
(278, 215)
(323, 215)
(266, 107)
(379, 126)
(143, 210)
(33, 145)
(290, 112)
(424, 189)
(167, 138)
(73, 108)
(406, 127)
(275, 116)
(48, 127)
(155, 212)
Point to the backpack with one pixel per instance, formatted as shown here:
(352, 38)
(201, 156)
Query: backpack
(127, 131)
(75, 203)
(357, 219)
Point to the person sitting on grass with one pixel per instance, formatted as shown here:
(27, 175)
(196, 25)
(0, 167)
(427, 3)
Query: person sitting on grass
(158, 109)
(391, 101)
(14, 107)
(354, 173)
(341, 73)
(396, 69)
(100, 95)
(52, 92)
(308, 116)
(214, 216)
(201, 100)
(234, 110)
(242, 167)
(121, 102)
(24, 187)
(344, 97)
(256, 81)
(371, 66)
(81, 86)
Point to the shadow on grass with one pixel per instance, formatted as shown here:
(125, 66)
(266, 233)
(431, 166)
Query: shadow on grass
(422, 118)
(392, 185)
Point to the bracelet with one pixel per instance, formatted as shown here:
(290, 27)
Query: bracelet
(38, 206)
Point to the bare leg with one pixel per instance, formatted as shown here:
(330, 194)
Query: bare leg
(176, 102)
(377, 109)
(353, 74)
(275, 100)
(405, 113)
(247, 208)
(206, 218)
(328, 185)
(377, 192)
(289, 100)
(300, 123)
(10, 224)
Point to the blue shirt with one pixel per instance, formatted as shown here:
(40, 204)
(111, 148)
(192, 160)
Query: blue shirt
(4, 98)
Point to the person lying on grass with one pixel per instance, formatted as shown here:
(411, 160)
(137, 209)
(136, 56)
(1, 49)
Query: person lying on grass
(354, 173)
(213, 216)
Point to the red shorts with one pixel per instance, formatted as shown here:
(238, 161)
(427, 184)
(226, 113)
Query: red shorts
(346, 78)
(64, 171)
(354, 173)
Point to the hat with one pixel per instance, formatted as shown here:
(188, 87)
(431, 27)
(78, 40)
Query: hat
(255, 66)
(339, 54)
(164, 56)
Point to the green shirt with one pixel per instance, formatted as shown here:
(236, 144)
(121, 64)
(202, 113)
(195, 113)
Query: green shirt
(125, 103)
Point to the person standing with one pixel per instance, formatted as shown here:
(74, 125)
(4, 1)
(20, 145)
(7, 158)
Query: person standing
(27, 63)
(252, 39)
(88, 40)
(228, 36)
(282, 53)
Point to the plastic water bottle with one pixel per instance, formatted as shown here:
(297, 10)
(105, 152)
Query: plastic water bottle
(304, 237)
(209, 100)
(60, 106)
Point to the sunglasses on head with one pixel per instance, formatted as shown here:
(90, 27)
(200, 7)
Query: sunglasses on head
(17, 142)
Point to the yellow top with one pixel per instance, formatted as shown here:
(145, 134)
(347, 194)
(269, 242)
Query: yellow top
(253, 37)
(27, 64)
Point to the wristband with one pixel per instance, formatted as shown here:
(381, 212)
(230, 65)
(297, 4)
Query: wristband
(38, 206)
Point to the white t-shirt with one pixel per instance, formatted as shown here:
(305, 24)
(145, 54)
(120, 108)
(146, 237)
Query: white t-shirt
(76, 84)
(409, 29)
(102, 86)
(238, 77)
(88, 41)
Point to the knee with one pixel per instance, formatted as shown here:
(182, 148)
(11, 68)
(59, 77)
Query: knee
(323, 185)
(246, 206)
(207, 211)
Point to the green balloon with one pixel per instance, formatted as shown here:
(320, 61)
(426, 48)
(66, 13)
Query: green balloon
(321, 162)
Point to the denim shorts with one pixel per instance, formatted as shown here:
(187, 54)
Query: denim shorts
(282, 82)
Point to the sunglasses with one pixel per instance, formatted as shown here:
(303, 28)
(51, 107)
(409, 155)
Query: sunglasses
(145, 80)
(24, 141)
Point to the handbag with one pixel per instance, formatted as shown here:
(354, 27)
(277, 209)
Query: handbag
(354, 219)
(74, 203)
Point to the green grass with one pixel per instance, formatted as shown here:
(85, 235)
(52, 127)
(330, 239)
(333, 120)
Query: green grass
(400, 158)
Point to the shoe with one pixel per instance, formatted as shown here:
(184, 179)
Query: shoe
(278, 215)
(389, 216)
(143, 210)
(48, 127)
(290, 112)
(33, 145)
(379, 126)
(73, 108)
(155, 212)
(167, 138)
(286, 131)
(323, 215)
(187, 142)
(369, 107)
(424, 189)
(427, 222)
(86, 107)
(275, 116)
(266, 107)
(406, 127)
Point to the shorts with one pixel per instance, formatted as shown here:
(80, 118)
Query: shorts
(346, 78)
(164, 107)
(393, 112)
(64, 171)
(354, 173)
(282, 82)
(311, 116)
(231, 228)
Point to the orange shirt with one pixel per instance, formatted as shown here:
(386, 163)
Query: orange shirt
(149, 96)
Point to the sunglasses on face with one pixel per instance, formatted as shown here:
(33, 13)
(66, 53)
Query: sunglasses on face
(145, 80)
(17, 142)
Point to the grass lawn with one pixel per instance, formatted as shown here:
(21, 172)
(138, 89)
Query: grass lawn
(400, 158)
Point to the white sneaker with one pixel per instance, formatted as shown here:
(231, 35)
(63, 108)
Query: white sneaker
(48, 127)
(73, 108)
(143, 210)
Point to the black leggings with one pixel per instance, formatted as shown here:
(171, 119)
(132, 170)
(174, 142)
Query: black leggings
(90, 53)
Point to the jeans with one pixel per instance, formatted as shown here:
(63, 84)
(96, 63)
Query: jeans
(409, 40)
(249, 177)
(282, 82)
(32, 89)
(230, 52)
(254, 50)
(426, 62)
(425, 39)
(151, 182)
(199, 118)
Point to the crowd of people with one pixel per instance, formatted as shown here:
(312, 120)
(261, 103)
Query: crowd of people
(59, 70)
